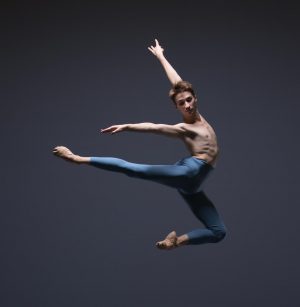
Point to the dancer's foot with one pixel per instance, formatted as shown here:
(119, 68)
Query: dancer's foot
(67, 154)
(169, 242)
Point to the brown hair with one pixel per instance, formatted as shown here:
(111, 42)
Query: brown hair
(179, 87)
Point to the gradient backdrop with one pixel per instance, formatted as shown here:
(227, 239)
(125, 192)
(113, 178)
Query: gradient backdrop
(77, 236)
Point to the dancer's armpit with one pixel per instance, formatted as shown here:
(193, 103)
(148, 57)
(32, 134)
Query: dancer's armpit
(177, 130)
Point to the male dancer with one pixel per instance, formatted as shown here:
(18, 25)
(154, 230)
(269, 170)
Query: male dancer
(186, 175)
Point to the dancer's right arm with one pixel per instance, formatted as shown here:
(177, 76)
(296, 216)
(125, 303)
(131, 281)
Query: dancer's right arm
(172, 75)
(177, 130)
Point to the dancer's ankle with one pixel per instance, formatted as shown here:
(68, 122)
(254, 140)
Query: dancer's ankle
(81, 160)
(182, 240)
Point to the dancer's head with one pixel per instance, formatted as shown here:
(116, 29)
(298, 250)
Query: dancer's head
(184, 97)
(179, 87)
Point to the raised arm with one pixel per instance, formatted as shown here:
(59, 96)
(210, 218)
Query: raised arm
(172, 75)
(177, 130)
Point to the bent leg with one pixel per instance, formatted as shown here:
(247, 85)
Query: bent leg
(171, 175)
(206, 212)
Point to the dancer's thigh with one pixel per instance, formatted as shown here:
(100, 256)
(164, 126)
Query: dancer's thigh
(173, 175)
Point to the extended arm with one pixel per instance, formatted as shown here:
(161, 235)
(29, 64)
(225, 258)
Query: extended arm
(172, 75)
(168, 130)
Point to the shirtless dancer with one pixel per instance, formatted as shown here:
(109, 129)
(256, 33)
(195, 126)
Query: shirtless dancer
(186, 175)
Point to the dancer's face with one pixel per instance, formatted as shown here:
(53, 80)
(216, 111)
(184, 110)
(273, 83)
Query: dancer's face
(186, 103)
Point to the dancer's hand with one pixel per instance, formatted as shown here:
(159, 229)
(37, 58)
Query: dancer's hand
(114, 129)
(157, 50)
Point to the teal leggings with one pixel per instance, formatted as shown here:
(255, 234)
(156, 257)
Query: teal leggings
(187, 176)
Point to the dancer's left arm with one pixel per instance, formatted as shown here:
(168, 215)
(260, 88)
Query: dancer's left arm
(169, 130)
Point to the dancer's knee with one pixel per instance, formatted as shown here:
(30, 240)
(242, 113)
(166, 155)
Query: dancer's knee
(136, 170)
(219, 234)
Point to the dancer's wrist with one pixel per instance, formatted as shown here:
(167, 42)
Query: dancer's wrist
(161, 57)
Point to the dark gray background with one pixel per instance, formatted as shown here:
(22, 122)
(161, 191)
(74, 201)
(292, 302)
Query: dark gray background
(77, 236)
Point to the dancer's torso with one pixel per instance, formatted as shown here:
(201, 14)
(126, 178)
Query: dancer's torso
(201, 141)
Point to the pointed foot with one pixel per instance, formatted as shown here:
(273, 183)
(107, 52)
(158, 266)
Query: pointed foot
(169, 242)
(65, 153)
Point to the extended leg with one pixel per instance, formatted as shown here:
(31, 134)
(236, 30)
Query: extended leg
(171, 175)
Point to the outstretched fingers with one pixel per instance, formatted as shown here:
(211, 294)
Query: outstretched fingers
(110, 129)
(113, 129)
(151, 49)
(157, 49)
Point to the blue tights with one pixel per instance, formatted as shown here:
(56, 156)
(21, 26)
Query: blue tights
(187, 176)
